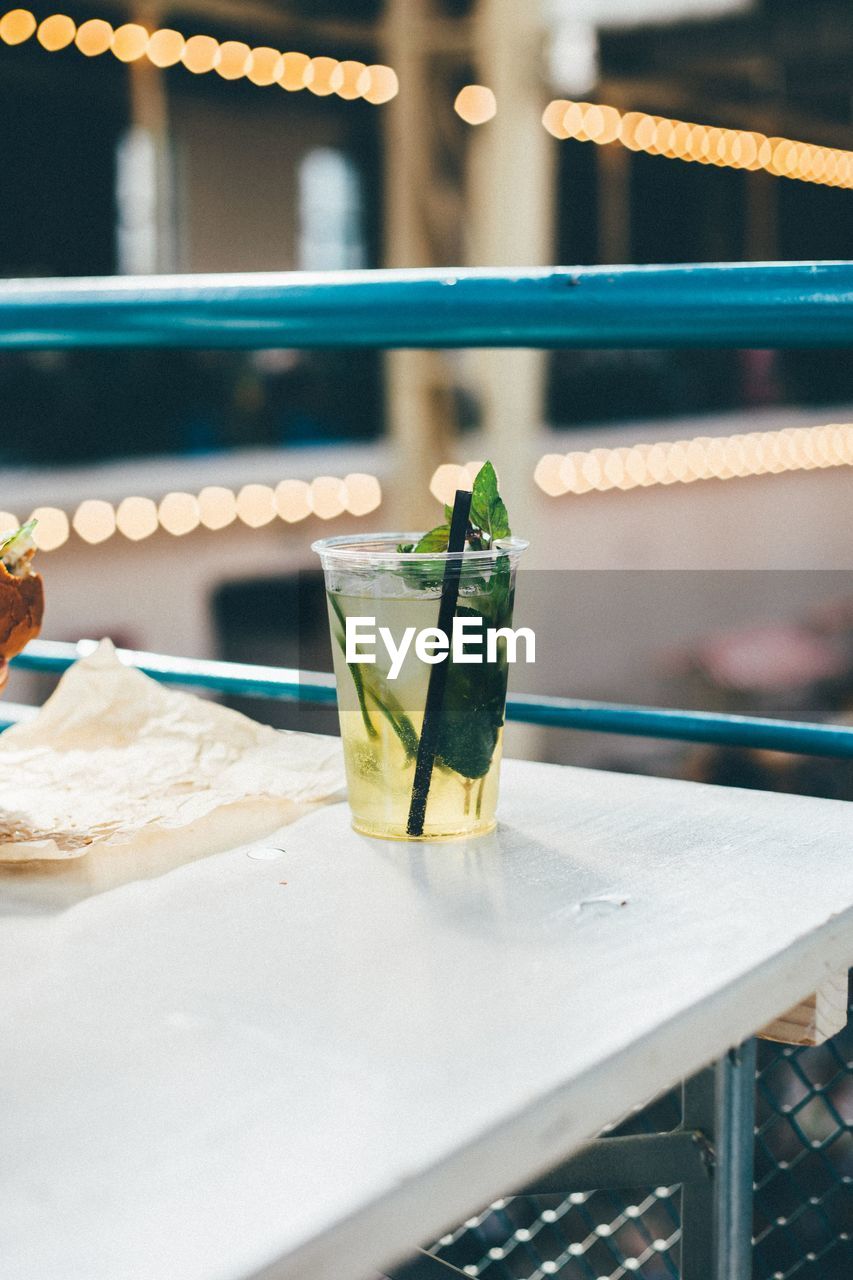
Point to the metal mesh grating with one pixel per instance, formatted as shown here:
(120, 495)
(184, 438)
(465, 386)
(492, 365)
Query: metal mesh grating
(804, 1162)
(586, 1235)
(803, 1193)
(582, 1236)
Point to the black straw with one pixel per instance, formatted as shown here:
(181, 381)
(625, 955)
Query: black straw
(438, 674)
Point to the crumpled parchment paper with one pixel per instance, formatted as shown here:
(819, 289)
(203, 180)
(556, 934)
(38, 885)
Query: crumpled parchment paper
(115, 760)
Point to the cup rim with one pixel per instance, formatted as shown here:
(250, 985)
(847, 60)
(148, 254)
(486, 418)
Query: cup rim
(362, 548)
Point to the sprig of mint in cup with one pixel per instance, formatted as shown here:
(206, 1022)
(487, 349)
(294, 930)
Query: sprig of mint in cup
(487, 522)
(422, 720)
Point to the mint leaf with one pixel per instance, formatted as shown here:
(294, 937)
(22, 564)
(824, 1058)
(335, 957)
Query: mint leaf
(473, 712)
(392, 709)
(484, 494)
(499, 526)
(426, 574)
(488, 512)
(436, 540)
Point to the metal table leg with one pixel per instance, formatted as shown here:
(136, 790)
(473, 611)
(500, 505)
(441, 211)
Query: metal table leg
(710, 1154)
(734, 1141)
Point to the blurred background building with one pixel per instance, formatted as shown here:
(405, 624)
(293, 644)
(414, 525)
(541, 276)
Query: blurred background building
(117, 165)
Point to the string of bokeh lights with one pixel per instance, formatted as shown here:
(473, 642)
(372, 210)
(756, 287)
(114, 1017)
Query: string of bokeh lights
(200, 54)
(757, 453)
(702, 144)
(214, 508)
(475, 103)
(577, 472)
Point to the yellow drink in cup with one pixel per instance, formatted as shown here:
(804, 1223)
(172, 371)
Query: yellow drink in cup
(395, 595)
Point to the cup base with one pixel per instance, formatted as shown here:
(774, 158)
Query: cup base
(443, 837)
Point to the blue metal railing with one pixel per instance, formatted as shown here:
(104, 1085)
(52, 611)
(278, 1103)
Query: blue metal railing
(291, 685)
(741, 304)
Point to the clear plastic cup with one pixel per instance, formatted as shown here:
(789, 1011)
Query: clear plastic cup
(381, 704)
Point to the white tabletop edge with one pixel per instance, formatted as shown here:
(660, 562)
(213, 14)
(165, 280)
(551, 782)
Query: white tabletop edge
(503, 1159)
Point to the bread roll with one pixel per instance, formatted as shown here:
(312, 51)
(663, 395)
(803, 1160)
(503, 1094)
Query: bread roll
(21, 610)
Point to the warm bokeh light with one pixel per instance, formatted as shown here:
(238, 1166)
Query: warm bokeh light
(165, 47)
(346, 78)
(328, 497)
(52, 528)
(785, 156)
(200, 55)
(136, 518)
(694, 145)
(638, 131)
(363, 493)
(16, 26)
(593, 122)
(179, 514)
(318, 75)
(591, 472)
(552, 118)
(576, 472)
(378, 84)
(94, 521)
(56, 32)
(266, 65)
(446, 480)
(664, 139)
(217, 507)
(256, 505)
(294, 69)
(233, 61)
(475, 104)
(611, 125)
(8, 522)
(94, 37)
(573, 120)
(547, 475)
(685, 461)
(702, 144)
(293, 500)
(130, 42)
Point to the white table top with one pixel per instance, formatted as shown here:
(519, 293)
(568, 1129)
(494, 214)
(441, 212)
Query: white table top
(210, 1074)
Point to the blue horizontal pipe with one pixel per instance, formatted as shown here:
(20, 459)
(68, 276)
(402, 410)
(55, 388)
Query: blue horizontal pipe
(795, 736)
(741, 304)
(289, 684)
(233, 678)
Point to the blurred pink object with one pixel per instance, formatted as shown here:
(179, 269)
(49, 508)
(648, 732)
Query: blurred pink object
(771, 658)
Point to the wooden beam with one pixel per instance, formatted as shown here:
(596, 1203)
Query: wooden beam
(510, 211)
(423, 215)
(814, 1020)
(613, 176)
(148, 225)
